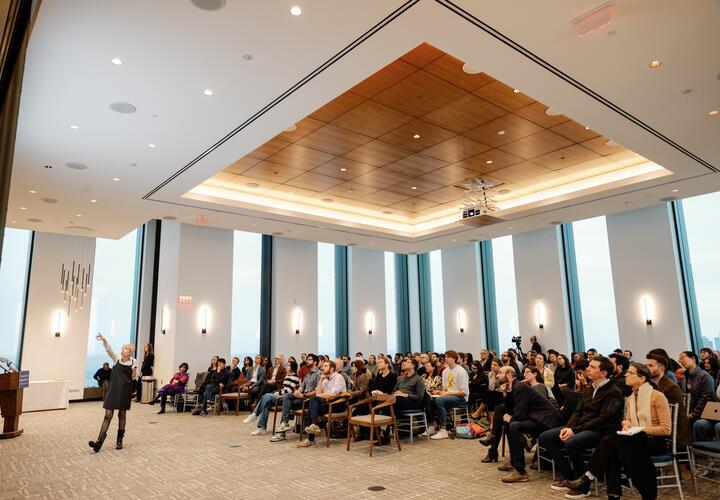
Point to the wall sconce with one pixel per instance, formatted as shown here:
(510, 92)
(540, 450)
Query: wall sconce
(648, 312)
(297, 320)
(369, 322)
(540, 312)
(58, 324)
(461, 320)
(163, 325)
(204, 312)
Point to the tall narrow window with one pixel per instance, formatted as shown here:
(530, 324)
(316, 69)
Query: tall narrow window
(438, 302)
(700, 217)
(595, 284)
(13, 276)
(326, 299)
(390, 303)
(245, 317)
(505, 296)
(114, 293)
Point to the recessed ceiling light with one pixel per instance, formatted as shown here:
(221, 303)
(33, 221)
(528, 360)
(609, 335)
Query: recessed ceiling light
(611, 144)
(76, 165)
(470, 70)
(116, 179)
(413, 188)
(252, 185)
(656, 64)
(587, 128)
(78, 215)
(116, 61)
(387, 212)
(675, 190)
(552, 112)
(454, 240)
(93, 201)
(23, 208)
(32, 191)
(74, 127)
(152, 146)
(516, 91)
(209, 5)
(343, 170)
(501, 132)
(247, 57)
(295, 10)
(416, 136)
(714, 112)
(327, 200)
(208, 92)
(488, 162)
(291, 128)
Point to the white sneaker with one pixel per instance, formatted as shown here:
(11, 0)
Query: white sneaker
(250, 418)
(283, 427)
(313, 429)
(441, 434)
(429, 432)
(258, 432)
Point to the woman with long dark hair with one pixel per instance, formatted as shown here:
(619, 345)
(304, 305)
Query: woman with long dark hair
(564, 376)
(119, 395)
(146, 369)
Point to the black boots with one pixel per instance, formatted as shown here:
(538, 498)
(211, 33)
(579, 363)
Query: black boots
(119, 445)
(163, 402)
(96, 445)
(492, 456)
(487, 439)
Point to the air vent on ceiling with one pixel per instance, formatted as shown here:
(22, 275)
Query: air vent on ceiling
(209, 4)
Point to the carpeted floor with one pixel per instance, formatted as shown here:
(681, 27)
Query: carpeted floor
(181, 456)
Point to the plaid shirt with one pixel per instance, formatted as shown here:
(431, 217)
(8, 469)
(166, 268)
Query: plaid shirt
(310, 381)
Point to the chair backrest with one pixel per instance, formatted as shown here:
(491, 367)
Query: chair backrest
(674, 411)
(199, 379)
(686, 400)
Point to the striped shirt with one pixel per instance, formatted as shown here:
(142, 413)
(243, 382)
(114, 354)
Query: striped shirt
(290, 383)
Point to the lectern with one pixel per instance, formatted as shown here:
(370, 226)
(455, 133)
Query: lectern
(11, 394)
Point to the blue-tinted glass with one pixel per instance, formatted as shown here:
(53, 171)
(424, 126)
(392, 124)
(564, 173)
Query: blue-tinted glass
(390, 304)
(326, 299)
(505, 296)
(13, 276)
(595, 284)
(245, 318)
(704, 249)
(113, 298)
(438, 303)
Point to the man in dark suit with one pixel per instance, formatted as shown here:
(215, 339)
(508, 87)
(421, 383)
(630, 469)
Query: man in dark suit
(526, 412)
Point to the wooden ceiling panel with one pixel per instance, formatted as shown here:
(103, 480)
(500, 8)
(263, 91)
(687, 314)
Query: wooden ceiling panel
(536, 113)
(413, 205)
(269, 148)
(342, 168)
(351, 190)
(381, 178)
(303, 128)
(500, 94)
(384, 79)
(414, 187)
(377, 153)
(294, 193)
(429, 135)
(338, 106)
(519, 172)
(300, 157)
(464, 114)
(456, 149)
(491, 160)
(333, 140)
(268, 171)
(536, 145)
(422, 55)
(566, 157)
(242, 165)
(314, 182)
(599, 145)
(445, 195)
(575, 132)
(418, 94)
(513, 127)
(450, 69)
(384, 198)
(415, 165)
(372, 119)
(446, 176)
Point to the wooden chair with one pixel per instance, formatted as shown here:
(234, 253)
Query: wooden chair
(334, 415)
(236, 396)
(373, 421)
(300, 417)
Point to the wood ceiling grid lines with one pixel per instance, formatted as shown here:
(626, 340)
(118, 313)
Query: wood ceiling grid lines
(406, 135)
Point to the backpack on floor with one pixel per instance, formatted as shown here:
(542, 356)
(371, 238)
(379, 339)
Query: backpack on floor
(469, 431)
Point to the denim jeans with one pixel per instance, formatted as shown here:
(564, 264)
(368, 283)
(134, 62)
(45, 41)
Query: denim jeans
(262, 409)
(706, 430)
(445, 403)
(574, 446)
(290, 402)
(516, 430)
(210, 391)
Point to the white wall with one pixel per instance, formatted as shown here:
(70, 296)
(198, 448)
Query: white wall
(461, 291)
(539, 277)
(295, 285)
(644, 262)
(366, 293)
(46, 356)
(167, 299)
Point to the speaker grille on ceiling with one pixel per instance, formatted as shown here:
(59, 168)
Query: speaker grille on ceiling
(123, 107)
(209, 4)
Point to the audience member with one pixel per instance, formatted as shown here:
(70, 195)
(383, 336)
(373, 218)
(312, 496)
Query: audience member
(478, 383)
(331, 384)
(534, 345)
(372, 365)
(146, 369)
(534, 378)
(628, 354)
(294, 401)
(548, 375)
(176, 386)
(620, 368)
(384, 382)
(658, 366)
(254, 379)
(275, 375)
(102, 376)
(360, 380)
(454, 393)
(290, 383)
(699, 384)
(214, 383)
(247, 366)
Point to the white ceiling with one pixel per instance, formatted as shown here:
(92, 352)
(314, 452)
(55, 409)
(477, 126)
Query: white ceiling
(172, 51)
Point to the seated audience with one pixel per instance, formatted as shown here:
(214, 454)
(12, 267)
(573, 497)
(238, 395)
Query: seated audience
(647, 424)
(102, 376)
(360, 380)
(494, 395)
(384, 382)
(214, 382)
(454, 393)
(620, 368)
(673, 366)
(534, 378)
(331, 384)
(699, 384)
(598, 413)
(658, 366)
(289, 384)
(294, 401)
(372, 365)
(564, 376)
(211, 368)
(628, 354)
(478, 383)
(254, 379)
(176, 386)
(548, 375)
(247, 366)
(534, 345)
(303, 370)
(275, 375)
(486, 360)
(409, 389)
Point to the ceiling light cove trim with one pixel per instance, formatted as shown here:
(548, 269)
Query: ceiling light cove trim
(454, 8)
(312, 75)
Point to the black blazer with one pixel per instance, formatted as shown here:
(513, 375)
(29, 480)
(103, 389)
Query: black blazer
(528, 404)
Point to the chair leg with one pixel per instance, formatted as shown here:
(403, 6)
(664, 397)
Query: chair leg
(372, 429)
(237, 407)
(274, 421)
(351, 432)
(677, 478)
(397, 438)
(412, 428)
(691, 457)
(327, 432)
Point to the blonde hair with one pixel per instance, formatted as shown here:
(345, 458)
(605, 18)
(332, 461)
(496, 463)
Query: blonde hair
(131, 347)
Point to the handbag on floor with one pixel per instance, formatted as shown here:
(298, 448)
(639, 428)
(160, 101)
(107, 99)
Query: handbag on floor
(469, 431)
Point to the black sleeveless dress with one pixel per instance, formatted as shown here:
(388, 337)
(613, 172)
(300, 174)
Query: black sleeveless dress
(120, 391)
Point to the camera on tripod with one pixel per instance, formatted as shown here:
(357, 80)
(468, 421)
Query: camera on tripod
(517, 340)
